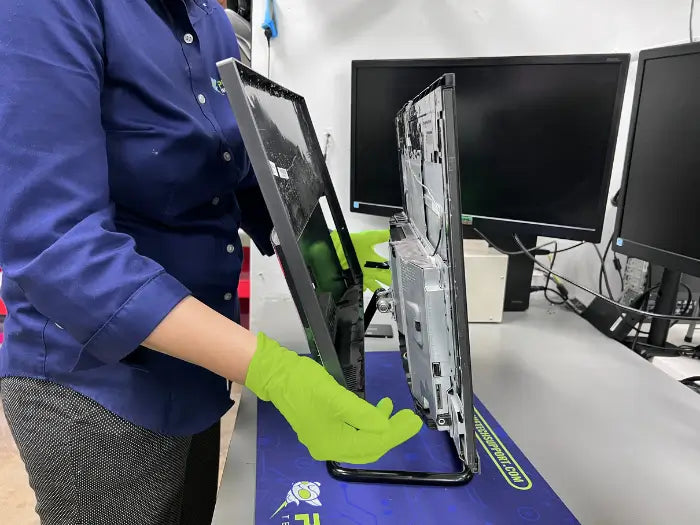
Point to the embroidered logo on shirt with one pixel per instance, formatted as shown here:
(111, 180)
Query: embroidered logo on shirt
(218, 86)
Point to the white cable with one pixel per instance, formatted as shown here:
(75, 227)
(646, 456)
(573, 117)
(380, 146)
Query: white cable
(690, 23)
(429, 193)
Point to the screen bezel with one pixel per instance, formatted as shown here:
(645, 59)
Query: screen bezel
(594, 233)
(671, 260)
(286, 243)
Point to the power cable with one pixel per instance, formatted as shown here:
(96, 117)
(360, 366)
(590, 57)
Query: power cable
(620, 307)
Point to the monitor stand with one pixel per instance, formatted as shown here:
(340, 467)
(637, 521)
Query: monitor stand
(655, 343)
(402, 477)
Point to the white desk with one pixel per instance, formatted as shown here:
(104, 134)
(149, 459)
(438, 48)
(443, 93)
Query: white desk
(617, 438)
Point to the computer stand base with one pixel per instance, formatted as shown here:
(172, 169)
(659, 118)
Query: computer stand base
(449, 479)
(648, 351)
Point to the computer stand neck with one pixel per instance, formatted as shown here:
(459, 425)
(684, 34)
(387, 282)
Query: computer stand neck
(665, 305)
(655, 344)
(404, 477)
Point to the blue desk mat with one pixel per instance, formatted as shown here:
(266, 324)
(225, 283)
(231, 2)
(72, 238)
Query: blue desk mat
(293, 489)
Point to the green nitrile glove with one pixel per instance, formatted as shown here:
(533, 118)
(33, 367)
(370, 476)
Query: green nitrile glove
(364, 243)
(332, 422)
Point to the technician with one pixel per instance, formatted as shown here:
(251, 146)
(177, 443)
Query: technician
(123, 183)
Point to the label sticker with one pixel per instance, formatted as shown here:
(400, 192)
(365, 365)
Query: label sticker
(620, 242)
(283, 173)
(274, 169)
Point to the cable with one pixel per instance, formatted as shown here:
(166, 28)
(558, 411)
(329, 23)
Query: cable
(686, 308)
(690, 380)
(603, 271)
(437, 246)
(325, 146)
(689, 301)
(269, 55)
(541, 289)
(552, 259)
(522, 252)
(690, 23)
(428, 193)
(620, 307)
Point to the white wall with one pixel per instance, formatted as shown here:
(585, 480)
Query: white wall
(319, 38)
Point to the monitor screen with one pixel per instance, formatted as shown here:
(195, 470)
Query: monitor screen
(659, 215)
(536, 137)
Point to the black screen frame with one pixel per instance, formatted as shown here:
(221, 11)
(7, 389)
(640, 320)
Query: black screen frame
(673, 261)
(594, 234)
(285, 240)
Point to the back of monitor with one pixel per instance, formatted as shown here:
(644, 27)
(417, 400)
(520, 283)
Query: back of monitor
(427, 264)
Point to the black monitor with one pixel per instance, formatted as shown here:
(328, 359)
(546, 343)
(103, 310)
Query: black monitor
(537, 138)
(658, 216)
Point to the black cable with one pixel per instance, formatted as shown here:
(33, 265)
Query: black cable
(690, 23)
(620, 307)
(689, 301)
(549, 278)
(437, 246)
(686, 308)
(636, 337)
(602, 267)
(690, 380)
(618, 267)
(325, 146)
(268, 35)
(679, 350)
(603, 270)
(530, 250)
(542, 289)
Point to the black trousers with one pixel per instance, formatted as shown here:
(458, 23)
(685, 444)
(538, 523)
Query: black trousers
(87, 465)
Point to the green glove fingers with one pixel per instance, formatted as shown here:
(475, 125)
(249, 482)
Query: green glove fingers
(332, 422)
(402, 426)
(386, 407)
(364, 243)
(359, 415)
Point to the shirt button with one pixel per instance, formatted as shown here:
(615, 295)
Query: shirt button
(227, 156)
(188, 38)
(215, 201)
(230, 248)
(228, 296)
(201, 98)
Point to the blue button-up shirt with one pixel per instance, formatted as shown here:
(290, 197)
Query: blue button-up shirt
(123, 183)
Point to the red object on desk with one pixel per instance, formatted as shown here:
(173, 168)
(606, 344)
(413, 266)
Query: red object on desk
(244, 288)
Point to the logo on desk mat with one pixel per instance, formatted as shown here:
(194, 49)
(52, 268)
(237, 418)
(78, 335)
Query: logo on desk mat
(306, 491)
(499, 454)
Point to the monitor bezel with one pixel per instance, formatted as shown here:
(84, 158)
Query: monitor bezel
(592, 234)
(671, 260)
(296, 272)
